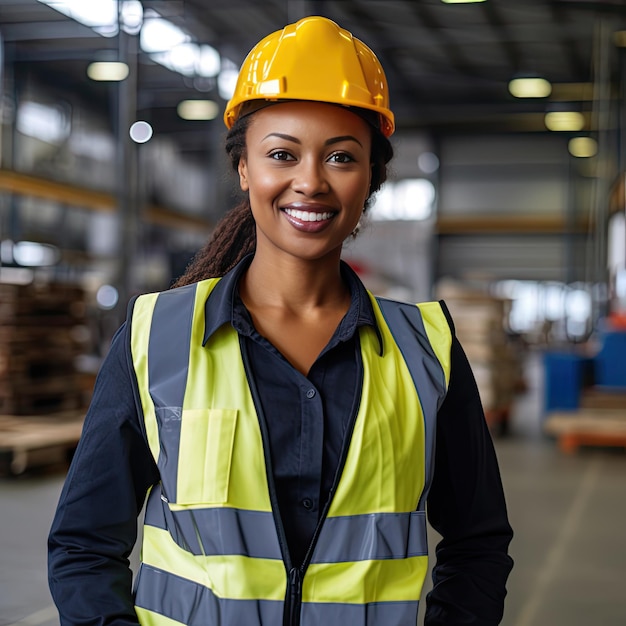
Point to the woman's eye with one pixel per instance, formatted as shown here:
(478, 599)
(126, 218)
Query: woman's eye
(340, 157)
(281, 155)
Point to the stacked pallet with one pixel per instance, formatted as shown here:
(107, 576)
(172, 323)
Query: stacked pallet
(480, 321)
(587, 427)
(38, 441)
(41, 336)
(600, 420)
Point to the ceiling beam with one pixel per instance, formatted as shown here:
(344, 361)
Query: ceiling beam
(448, 45)
(511, 49)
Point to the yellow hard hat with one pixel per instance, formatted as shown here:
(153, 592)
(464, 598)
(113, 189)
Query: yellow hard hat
(313, 59)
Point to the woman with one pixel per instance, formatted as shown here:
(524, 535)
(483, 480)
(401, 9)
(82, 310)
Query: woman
(288, 427)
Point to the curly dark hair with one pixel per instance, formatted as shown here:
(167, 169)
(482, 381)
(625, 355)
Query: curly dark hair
(234, 235)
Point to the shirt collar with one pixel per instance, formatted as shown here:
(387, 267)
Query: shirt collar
(224, 305)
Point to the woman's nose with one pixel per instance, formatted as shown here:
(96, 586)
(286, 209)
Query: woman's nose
(310, 178)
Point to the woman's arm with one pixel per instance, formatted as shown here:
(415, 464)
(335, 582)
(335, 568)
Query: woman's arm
(466, 506)
(95, 525)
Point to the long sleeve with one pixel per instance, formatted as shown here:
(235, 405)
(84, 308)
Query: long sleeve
(95, 525)
(466, 506)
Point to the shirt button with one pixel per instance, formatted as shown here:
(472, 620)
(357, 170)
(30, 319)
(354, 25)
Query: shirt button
(310, 393)
(307, 503)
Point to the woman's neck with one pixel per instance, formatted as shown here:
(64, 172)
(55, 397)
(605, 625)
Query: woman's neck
(293, 283)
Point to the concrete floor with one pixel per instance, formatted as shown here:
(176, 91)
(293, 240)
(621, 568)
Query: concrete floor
(568, 511)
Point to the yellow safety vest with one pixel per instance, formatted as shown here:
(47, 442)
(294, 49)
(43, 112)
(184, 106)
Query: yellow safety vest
(212, 537)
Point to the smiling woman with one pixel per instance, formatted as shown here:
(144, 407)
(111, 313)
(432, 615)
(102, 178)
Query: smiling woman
(307, 172)
(289, 428)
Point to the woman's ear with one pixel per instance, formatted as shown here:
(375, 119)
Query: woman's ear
(242, 168)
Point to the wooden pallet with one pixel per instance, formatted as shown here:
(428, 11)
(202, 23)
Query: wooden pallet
(46, 396)
(598, 397)
(587, 427)
(32, 441)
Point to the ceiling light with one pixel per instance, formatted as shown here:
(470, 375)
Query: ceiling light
(131, 16)
(530, 88)
(160, 35)
(182, 58)
(405, 200)
(428, 162)
(461, 1)
(107, 297)
(100, 15)
(29, 253)
(140, 132)
(47, 123)
(227, 80)
(564, 121)
(198, 109)
(583, 147)
(209, 62)
(107, 71)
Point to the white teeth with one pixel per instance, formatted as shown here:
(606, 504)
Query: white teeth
(308, 216)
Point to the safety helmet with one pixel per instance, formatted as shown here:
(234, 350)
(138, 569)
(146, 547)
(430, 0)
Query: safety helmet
(313, 59)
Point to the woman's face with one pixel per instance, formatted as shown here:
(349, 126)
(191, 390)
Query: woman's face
(307, 171)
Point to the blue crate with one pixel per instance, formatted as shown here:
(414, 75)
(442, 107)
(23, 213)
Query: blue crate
(563, 376)
(610, 362)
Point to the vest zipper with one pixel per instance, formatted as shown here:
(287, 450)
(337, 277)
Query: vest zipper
(294, 598)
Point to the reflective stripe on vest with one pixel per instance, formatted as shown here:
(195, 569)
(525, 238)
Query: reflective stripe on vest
(211, 553)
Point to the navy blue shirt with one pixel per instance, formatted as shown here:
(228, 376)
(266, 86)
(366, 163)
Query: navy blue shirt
(94, 528)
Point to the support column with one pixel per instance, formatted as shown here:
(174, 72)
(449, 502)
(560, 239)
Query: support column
(126, 169)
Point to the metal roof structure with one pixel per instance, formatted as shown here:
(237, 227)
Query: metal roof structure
(448, 65)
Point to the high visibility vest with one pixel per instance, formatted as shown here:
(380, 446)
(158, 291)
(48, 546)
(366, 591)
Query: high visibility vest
(213, 548)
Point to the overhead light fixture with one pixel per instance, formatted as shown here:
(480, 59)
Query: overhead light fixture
(29, 253)
(410, 199)
(583, 147)
(113, 71)
(48, 123)
(227, 79)
(160, 35)
(131, 15)
(461, 1)
(198, 109)
(99, 15)
(140, 132)
(564, 121)
(530, 88)
(428, 162)
(172, 47)
(107, 297)
(209, 62)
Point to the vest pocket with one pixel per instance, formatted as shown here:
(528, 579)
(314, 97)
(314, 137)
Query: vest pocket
(206, 449)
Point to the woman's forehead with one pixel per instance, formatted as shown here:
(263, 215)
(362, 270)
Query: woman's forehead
(309, 113)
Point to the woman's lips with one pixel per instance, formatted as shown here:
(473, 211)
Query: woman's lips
(310, 220)
(309, 216)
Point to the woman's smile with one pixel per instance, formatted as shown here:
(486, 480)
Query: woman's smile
(308, 218)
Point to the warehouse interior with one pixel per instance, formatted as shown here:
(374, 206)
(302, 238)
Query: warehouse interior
(507, 199)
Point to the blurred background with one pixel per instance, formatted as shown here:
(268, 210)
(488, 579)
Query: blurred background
(506, 199)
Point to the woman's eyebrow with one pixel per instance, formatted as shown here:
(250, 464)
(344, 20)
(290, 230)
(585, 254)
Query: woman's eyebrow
(328, 142)
(342, 138)
(282, 136)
